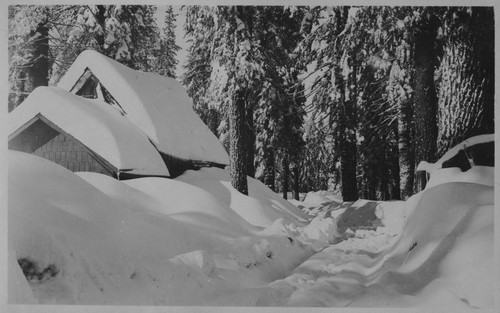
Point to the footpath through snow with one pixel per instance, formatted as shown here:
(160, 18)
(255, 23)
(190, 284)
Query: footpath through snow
(86, 238)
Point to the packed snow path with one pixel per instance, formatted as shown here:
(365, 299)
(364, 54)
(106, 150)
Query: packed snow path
(441, 258)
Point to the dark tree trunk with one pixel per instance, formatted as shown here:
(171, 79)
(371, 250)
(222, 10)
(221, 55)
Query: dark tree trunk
(466, 93)
(384, 180)
(405, 149)
(348, 171)
(285, 175)
(269, 169)
(402, 99)
(347, 121)
(425, 105)
(371, 183)
(237, 151)
(296, 184)
(40, 65)
(250, 138)
(395, 170)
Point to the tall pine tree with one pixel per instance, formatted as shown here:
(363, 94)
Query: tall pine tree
(167, 56)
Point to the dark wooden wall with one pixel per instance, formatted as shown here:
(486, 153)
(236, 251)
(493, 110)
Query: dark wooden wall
(71, 154)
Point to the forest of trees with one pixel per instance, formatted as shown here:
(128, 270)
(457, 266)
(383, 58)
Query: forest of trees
(303, 98)
(45, 40)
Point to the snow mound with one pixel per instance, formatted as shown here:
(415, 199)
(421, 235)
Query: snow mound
(447, 244)
(174, 199)
(442, 258)
(158, 105)
(261, 208)
(90, 239)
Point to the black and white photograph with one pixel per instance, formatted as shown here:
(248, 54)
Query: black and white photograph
(206, 155)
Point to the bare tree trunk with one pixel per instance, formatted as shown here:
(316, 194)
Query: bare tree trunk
(296, 183)
(347, 140)
(237, 150)
(249, 138)
(425, 108)
(40, 64)
(400, 95)
(395, 170)
(269, 169)
(285, 176)
(405, 149)
(466, 93)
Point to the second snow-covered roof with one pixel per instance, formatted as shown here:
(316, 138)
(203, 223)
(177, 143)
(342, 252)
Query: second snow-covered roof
(95, 124)
(156, 104)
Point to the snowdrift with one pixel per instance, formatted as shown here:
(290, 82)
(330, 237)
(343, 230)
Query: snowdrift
(262, 207)
(88, 239)
(443, 256)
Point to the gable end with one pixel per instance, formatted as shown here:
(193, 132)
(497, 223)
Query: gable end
(43, 138)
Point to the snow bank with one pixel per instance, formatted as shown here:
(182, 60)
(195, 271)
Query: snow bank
(447, 244)
(261, 208)
(442, 258)
(392, 216)
(111, 135)
(89, 239)
(156, 104)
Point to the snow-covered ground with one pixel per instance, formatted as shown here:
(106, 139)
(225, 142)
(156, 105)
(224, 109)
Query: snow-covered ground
(85, 238)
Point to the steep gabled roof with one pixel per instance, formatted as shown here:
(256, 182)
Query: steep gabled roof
(156, 104)
(95, 124)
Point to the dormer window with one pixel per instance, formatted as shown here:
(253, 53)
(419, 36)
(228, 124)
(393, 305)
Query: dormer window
(88, 86)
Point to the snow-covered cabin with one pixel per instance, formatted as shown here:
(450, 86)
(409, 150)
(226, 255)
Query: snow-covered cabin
(105, 117)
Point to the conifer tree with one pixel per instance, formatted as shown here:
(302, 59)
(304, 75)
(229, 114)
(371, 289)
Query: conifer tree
(199, 28)
(335, 85)
(167, 56)
(29, 55)
(126, 33)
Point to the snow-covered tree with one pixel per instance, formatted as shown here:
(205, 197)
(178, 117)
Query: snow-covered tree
(29, 54)
(200, 28)
(167, 57)
(279, 113)
(45, 40)
(335, 86)
(241, 65)
(126, 33)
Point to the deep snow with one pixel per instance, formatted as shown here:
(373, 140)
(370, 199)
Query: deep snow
(195, 241)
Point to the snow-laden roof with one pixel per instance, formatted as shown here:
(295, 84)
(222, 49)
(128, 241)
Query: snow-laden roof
(94, 123)
(156, 104)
